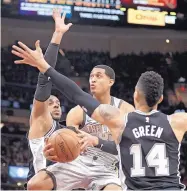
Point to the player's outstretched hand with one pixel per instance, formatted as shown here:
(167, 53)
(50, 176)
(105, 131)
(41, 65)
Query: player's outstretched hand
(31, 57)
(86, 140)
(60, 25)
(49, 152)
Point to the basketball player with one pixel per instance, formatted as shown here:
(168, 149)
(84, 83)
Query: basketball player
(98, 162)
(46, 109)
(148, 140)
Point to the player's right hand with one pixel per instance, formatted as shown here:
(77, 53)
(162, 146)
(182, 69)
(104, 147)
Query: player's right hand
(86, 140)
(49, 152)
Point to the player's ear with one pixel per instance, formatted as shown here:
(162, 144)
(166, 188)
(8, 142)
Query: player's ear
(135, 95)
(111, 83)
(161, 99)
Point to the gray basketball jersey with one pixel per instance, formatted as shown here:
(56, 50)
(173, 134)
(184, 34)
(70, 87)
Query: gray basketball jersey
(96, 129)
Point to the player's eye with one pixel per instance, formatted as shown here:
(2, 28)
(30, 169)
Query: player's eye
(99, 76)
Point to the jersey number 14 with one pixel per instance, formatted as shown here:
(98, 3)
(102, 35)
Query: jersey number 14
(155, 158)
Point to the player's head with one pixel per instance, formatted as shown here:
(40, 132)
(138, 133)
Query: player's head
(102, 77)
(54, 107)
(149, 89)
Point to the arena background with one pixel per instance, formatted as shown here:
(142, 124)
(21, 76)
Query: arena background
(130, 36)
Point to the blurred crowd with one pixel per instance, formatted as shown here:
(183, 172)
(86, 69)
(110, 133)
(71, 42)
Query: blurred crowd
(19, 82)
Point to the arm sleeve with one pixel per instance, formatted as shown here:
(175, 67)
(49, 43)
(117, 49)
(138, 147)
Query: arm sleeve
(44, 86)
(107, 146)
(72, 91)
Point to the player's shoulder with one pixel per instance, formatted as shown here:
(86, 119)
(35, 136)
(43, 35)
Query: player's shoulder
(179, 117)
(76, 111)
(126, 107)
(179, 120)
(75, 117)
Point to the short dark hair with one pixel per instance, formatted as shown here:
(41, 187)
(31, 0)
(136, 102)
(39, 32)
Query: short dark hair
(152, 86)
(108, 71)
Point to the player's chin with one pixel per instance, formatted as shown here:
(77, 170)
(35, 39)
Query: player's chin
(56, 117)
(94, 91)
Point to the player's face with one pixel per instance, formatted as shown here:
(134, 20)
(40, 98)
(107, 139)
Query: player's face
(99, 82)
(54, 107)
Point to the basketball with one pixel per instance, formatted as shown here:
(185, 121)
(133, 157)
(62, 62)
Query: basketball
(66, 145)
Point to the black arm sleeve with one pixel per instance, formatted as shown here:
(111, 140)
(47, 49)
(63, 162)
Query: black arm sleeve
(107, 146)
(72, 91)
(43, 89)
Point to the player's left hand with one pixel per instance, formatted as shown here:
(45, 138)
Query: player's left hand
(31, 57)
(87, 140)
(60, 26)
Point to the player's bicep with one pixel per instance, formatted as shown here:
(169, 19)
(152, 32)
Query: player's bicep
(40, 126)
(75, 117)
(40, 119)
(111, 117)
(39, 108)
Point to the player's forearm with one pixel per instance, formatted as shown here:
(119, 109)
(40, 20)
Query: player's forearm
(70, 89)
(43, 90)
(107, 146)
(57, 37)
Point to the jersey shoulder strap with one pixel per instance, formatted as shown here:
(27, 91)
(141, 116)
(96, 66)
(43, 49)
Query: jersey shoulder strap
(116, 102)
(52, 129)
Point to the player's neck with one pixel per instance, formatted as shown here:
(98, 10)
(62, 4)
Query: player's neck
(103, 99)
(145, 108)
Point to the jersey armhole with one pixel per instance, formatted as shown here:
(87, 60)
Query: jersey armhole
(51, 130)
(124, 126)
(125, 119)
(169, 119)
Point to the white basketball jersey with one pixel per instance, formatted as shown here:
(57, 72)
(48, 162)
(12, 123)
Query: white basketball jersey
(96, 129)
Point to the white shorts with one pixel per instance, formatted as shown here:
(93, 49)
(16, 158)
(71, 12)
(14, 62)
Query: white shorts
(79, 174)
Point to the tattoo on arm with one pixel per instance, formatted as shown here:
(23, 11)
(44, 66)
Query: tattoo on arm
(108, 112)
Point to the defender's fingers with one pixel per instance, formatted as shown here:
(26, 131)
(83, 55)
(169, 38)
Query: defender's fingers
(25, 47)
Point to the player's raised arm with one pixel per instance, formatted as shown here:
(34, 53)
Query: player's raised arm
(105, 114)
(40, 114)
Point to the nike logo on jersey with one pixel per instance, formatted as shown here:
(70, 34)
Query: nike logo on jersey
(148, 130)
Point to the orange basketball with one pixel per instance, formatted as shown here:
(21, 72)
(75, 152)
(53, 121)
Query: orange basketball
(66, 145)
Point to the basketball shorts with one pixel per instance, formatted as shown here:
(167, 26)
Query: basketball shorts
(80, 174)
